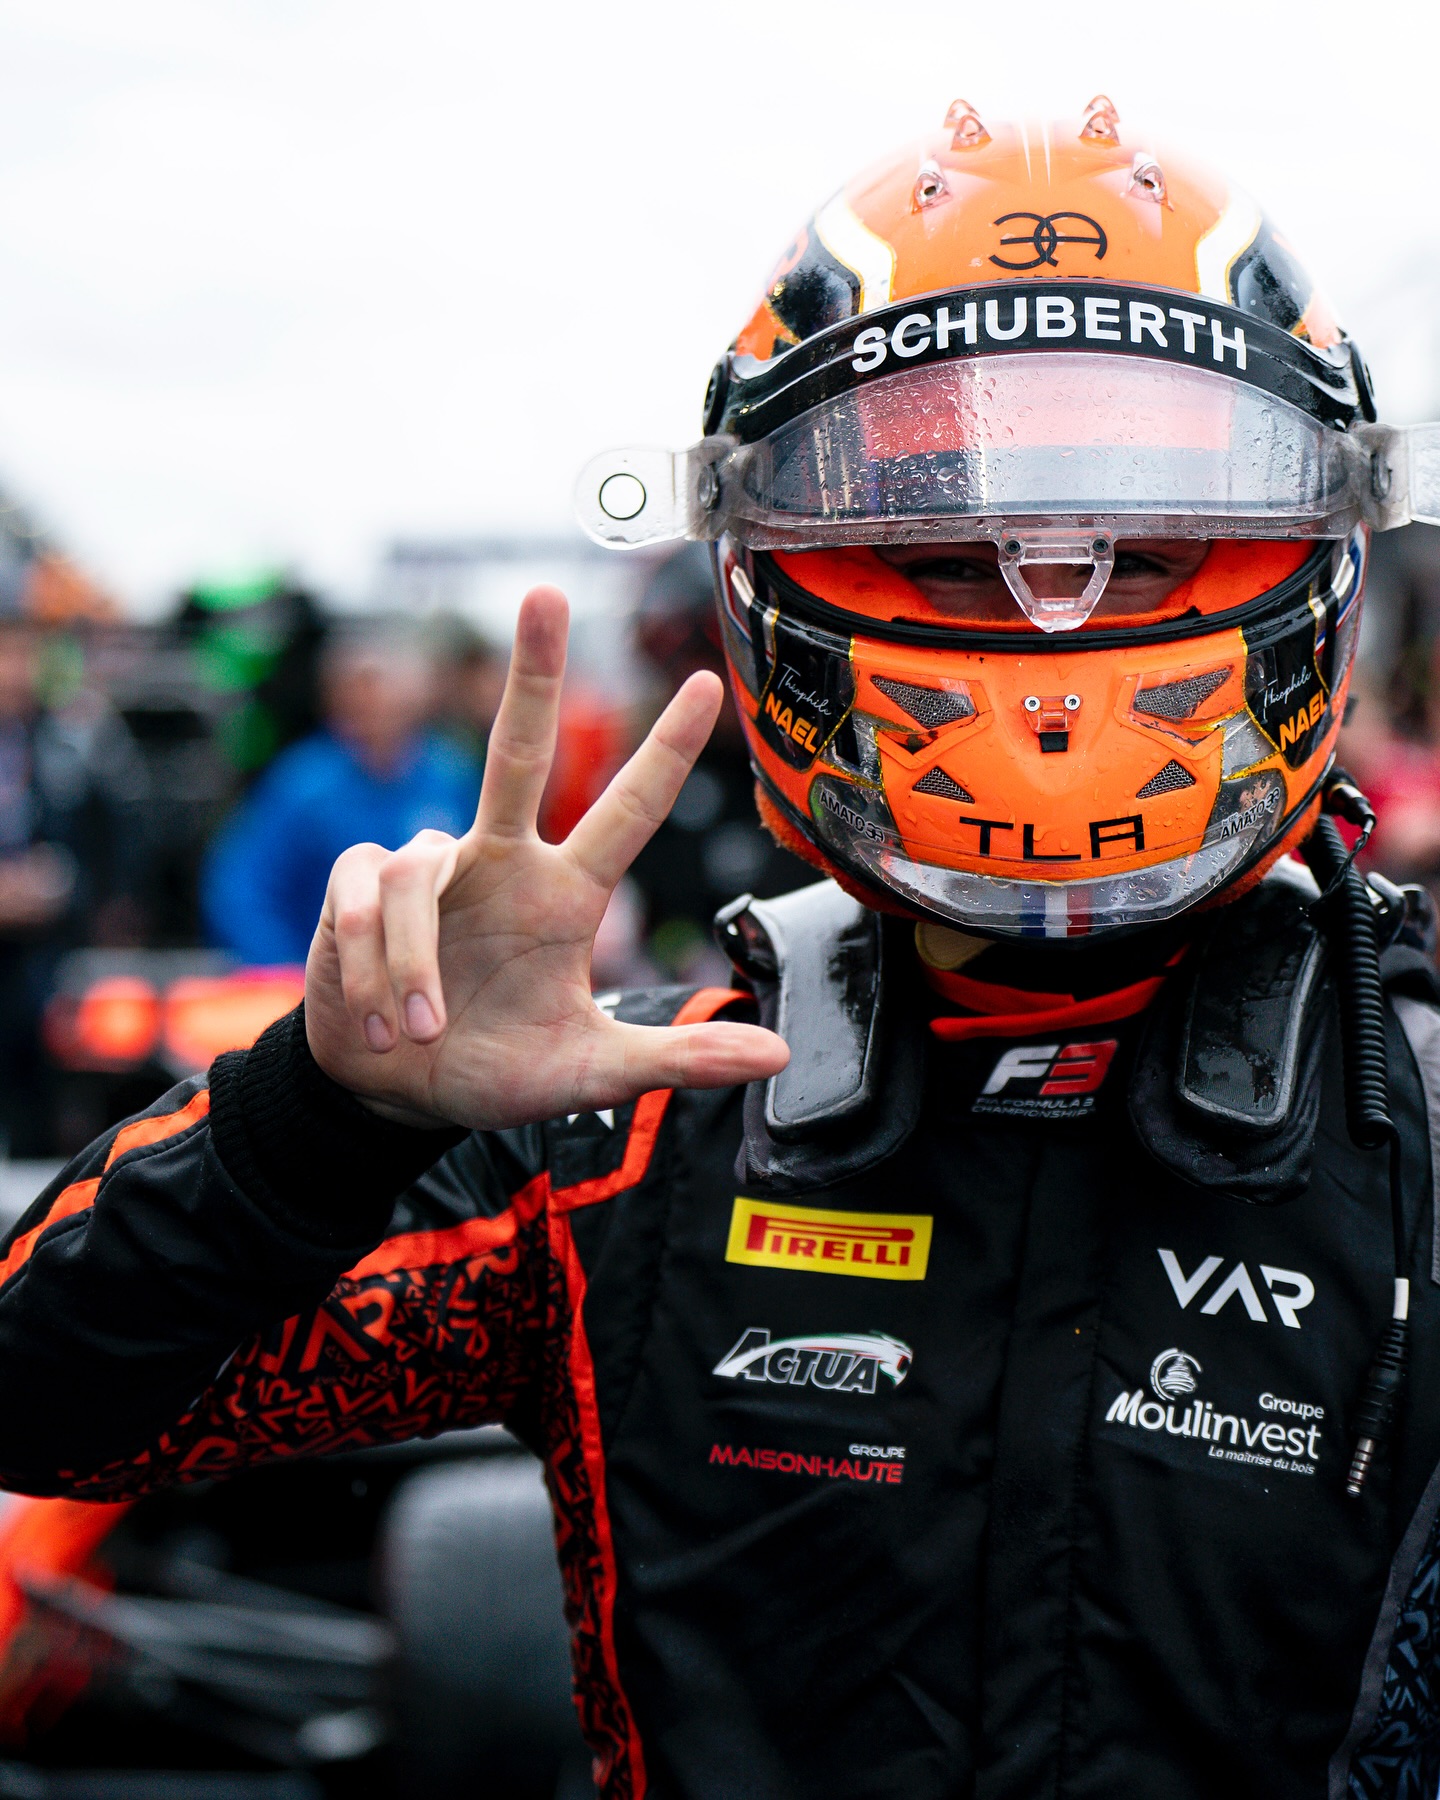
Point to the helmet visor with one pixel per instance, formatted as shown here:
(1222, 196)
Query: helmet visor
(903, 425)
(966, 447)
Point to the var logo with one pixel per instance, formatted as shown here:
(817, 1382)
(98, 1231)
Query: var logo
(1290, 1291)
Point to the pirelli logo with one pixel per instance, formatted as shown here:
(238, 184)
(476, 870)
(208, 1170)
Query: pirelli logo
(884, 1246)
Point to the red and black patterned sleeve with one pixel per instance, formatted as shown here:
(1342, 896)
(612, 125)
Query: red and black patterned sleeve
(219, 1281)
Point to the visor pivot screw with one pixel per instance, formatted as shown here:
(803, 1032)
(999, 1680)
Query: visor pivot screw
(967, 126)
(1032, 703)
(1381, 476)
(707, 487)
(1072, 703)
(930, 187)
(1147, 178)
(1101, 120)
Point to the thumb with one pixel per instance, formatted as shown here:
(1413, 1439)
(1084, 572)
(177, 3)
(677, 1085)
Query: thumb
(698, 1056)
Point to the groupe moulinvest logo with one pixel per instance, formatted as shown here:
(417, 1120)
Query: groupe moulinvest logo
(1173, 1375)
(1171, 1413)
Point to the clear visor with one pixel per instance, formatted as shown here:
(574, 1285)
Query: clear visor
(1032, 449)
(1024, 436)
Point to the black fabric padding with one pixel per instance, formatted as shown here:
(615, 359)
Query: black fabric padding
(304, 1148)
(849, 1144)
(1223, 1025)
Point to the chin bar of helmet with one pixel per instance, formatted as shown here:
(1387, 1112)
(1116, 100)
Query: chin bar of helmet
(1348, 914)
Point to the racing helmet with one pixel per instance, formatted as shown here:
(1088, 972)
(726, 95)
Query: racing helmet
(1039, 487)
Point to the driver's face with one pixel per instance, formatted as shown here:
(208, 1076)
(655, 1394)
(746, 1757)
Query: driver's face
(965, 578)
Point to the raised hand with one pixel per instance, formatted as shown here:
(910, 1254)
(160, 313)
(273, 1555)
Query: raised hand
(449, 981)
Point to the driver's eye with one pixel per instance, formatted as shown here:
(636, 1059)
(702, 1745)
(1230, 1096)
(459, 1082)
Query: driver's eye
(950, 568)
(1129, 563)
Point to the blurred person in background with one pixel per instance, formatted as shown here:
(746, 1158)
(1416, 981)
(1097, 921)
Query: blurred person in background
(1401, 778)
(1398, 653)
(469, 678)
(1393, 721)
(72, 794)
(594, 735)
(712, 846)
(374, 773)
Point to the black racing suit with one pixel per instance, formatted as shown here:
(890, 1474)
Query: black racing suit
(1012, 1465)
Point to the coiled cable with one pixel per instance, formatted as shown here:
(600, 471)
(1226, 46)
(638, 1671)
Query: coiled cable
(1347, 915)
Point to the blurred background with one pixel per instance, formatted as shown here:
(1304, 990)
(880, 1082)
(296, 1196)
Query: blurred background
(309, 314)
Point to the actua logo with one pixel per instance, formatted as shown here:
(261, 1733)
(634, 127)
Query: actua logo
(845, 1362)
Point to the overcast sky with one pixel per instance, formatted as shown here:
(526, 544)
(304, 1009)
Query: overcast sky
(288, 278)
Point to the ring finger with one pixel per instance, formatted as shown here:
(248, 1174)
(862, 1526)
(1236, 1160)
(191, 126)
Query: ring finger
(352, 913)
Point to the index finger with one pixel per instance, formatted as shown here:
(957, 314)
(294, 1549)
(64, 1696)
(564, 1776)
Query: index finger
(522, 740)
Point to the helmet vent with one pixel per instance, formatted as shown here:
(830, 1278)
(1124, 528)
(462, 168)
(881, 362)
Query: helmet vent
(1170, 780)
(1101, 121)
(946, 787)
(931, 187)
(967, 126)
(930, 707)
(1178, 699)
(1148, 178)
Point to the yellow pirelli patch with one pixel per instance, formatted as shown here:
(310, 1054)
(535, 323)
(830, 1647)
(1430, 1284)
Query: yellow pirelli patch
(884, 1246)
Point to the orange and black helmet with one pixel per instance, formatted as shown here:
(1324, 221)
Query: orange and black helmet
(1040, 485)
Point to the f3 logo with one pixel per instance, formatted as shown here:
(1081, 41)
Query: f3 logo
(1060, 1069)
(1044, 238)
(1047, 1081)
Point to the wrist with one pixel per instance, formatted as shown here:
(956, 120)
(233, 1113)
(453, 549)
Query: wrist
(396, 1114)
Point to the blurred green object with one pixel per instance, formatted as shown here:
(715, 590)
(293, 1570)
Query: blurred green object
(230, 594)
(249, 737)
(243, 636)
(60, 669)
(236, 657)
(676, 943)
(255, 635)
